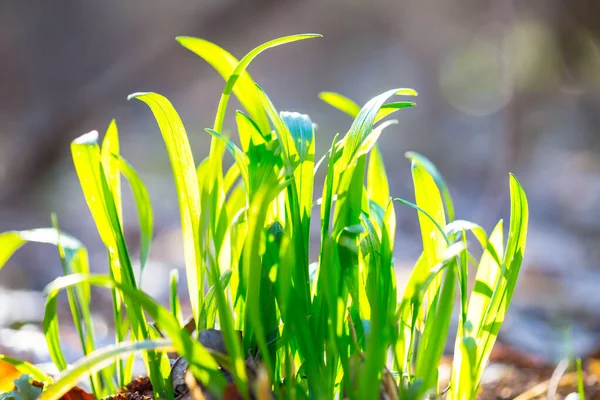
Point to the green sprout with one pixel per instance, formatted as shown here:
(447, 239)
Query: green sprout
(324, 328)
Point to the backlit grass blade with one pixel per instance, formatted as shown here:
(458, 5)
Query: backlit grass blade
(517, 234)
(286, 140)
(144, 210)
(340, 102)
(109, 153)
(580, 383)
(98, 195)
(301, 130)
(184, 172)
(505, 285)
(293, 163)
(349, 107)
(428, 198)
(363, 125)
(26, 368)
(390, 108)
(233, 173)
(252, 271)
(79, 303)
(241, 68)
(430, 167)
(87, 161)
(174, 296)
(370, 140)
(201, 362)
(210, 307)
(110, 149)
(486, 280)
(248, 131)
(420, 279)
(11, 241)
(75, 258)
(464, 373)
(96, 361)
(237, 154)
(437, 324)
(378, 187)
(225, 63)
(382, 297)
(492, 293)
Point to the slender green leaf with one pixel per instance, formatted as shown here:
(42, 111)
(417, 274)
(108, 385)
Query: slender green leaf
(201, 362)
(425, 163)
(144, 210)
(184, 172)
(340, 102)
(96, 361)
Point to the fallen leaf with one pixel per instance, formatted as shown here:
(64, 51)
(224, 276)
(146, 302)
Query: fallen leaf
(8, 374)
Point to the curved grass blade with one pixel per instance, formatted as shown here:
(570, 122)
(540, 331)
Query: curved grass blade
(144, 210)
(428, 198)
(75, 260)
(378, 187)
(241, 68)
(286, 140)
(430, 167)
(506, 282)
(351, 108)
(464, 379)
(427, 215)
(240, 158)
(201, 362)
(100, 200)
(390, 108)
(363, 124)
(184, 172)
(341, 102)
(96, 361)
(370, 140)
(248, 131)
(224, 63)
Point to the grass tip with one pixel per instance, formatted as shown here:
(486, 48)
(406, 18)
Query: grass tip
(137, 95)
(407, 92)
(87, 138)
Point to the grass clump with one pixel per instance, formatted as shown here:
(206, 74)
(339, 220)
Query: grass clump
(325, 328)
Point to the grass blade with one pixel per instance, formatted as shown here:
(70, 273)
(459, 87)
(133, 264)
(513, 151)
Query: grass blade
(96, 361)
(100, 200)
(144, 210)
(378, 187)
(201, 362)
(430, 167)
(340, 102)
(184, 172)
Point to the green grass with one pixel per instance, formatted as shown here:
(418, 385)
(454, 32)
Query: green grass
(322, 327)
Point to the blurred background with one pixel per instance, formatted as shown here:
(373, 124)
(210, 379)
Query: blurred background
(504, 86)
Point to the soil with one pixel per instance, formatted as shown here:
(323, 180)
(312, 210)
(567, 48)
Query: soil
(511, 374)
